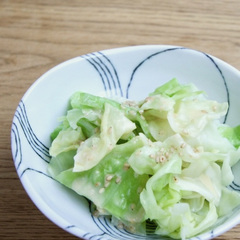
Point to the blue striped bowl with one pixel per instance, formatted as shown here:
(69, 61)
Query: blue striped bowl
(130, 72)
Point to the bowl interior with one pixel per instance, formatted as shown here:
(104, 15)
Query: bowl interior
(130, 72)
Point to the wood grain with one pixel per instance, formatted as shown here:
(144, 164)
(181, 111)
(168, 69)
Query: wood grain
(37, 35)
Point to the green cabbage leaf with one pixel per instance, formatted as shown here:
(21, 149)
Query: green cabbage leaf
(167, 159)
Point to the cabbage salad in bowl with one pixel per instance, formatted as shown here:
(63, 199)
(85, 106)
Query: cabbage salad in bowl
(166, 159)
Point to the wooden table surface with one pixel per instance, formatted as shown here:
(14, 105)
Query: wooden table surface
(36, 35)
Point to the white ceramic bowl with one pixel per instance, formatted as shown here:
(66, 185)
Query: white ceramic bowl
(130, 72)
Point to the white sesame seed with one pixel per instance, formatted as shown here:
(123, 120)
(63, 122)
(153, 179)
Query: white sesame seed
(126, 166)
(101, 190)
(151, 155)
(118, 180)
(130, 103)
(198, 149)
(161, 149)
(214, 108)
(132, 112)
(183, 145)
(120, 225)
(109, 131)
(148, 99)
(109, 177)
(123, 107)
(132, 206)
(96, 213)
(162, 159)
(132, 229)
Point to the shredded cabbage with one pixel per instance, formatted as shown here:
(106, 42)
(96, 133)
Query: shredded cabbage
(166, 159)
